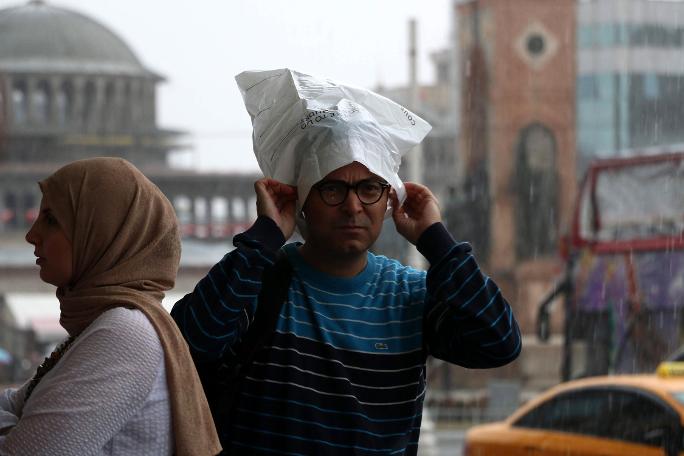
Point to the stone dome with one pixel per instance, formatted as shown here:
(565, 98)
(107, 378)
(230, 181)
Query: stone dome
(37, 37)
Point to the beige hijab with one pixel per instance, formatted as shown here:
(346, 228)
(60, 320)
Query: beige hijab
(126, 249)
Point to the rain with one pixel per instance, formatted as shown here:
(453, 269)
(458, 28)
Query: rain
(556, 151)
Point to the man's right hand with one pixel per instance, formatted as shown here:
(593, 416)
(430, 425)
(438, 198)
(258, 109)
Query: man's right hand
(278, 202)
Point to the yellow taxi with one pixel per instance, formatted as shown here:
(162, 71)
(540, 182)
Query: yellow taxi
(623, 415)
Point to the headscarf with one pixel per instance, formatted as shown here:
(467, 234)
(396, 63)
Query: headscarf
(126, 250)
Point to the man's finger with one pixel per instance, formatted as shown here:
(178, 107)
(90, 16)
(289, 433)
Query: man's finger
(285, 190)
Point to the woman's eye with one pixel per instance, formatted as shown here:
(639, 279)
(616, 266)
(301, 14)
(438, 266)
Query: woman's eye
(50, 219)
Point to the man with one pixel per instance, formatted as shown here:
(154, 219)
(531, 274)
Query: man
(344, 371)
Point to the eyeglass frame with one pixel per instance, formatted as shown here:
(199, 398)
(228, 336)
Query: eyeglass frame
(348, 186)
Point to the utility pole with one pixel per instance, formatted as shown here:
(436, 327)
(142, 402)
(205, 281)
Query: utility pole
(415, 156)
(5, 107)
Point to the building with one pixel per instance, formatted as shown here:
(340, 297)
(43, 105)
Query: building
(630, 65)
(502, 150)
(436, 103)
(518, 138)
(539, 89)
(436, 159)
(545, 88)
(71, 88)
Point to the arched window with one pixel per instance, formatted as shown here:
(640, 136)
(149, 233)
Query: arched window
(40, 103)
(64, 103)
(125, 111)
(109, 116)
(136, 103)
(183, 208)
(2, 107)
(219, 216)
(19, 103)
(536, 185)
(252, 209)
(88, 103)
(201, 216)
(238, 211)
(31, 208)
(9, 214)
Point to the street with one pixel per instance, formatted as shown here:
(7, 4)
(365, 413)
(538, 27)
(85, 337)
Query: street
(443, 442)
(450, 442)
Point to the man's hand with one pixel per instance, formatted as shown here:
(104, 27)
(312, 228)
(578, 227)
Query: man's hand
(278, 202)
(419, 211)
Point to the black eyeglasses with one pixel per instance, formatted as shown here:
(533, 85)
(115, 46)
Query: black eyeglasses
(334, 192)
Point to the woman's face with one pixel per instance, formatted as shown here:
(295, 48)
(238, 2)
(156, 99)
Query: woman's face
(52, 248)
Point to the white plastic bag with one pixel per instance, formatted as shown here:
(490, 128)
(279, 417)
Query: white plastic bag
(306, 127)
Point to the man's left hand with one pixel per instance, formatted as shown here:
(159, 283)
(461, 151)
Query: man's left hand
(419, 211)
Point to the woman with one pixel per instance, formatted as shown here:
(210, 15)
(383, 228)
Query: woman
(124, 381)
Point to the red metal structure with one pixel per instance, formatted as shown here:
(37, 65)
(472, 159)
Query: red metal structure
(624, 279)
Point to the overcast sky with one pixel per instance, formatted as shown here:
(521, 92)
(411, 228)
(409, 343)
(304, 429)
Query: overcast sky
(200, 46)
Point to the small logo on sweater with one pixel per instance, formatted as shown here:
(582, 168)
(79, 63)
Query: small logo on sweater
(381, 346)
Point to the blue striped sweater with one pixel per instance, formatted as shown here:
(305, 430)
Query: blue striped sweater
(345, 370)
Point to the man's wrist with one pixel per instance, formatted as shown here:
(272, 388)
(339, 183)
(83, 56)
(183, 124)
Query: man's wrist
(266, 231)
(435, 242)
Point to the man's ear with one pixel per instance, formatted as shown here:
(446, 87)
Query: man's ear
(301, 224)
(390, 198)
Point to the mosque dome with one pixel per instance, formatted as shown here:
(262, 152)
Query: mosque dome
(41, 38)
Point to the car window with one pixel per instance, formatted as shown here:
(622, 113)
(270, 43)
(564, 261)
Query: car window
(638, 419)
(576, 412)
(679, 396)
(607, 413)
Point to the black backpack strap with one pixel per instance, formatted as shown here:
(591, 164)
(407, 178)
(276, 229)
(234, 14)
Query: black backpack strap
(274, 287)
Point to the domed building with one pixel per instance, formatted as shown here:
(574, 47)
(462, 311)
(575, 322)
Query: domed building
(71, 88)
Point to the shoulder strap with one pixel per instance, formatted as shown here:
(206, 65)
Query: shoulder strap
(274, 286)
(275, 283)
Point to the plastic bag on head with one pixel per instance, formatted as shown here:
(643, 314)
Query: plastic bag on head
(306, 127)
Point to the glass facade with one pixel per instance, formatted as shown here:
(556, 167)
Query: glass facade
(598, 115)
(618, 111)
(596, 36)
(624, 103)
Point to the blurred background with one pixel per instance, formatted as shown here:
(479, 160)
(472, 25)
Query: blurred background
(556, 150)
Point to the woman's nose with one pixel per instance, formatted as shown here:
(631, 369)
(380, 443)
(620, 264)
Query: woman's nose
(31, 236)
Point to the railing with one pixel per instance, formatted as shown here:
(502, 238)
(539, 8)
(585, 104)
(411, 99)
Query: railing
(457, 415)
(468, 407)
(213, 230)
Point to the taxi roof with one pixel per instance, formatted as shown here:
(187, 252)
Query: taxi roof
(645, 381)
(661, 386)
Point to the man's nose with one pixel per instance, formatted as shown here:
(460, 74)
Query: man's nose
(352, 204)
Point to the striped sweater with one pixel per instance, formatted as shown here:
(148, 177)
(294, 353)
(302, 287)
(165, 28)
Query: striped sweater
(345, 370)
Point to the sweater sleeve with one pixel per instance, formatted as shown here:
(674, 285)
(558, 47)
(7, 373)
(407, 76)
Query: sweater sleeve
(98, 385)
(467, 320)
(218, 311)
(11, 403)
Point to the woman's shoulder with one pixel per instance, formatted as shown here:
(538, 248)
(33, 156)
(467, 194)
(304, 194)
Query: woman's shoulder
(127, 327)
(122, 318)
